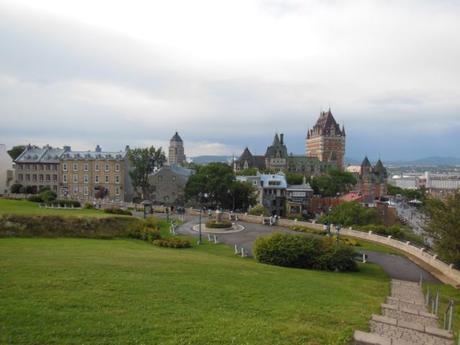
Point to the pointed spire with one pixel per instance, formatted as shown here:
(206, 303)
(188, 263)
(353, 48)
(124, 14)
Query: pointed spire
(276, 140)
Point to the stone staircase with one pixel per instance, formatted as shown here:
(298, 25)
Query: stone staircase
(404, 320)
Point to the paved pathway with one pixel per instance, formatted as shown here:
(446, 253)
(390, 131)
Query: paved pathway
(397, 267)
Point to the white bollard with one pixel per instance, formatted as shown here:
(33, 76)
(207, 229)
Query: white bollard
(364, 258)
(215, 239)
(236, 250)
(209, 237)
(242, 252)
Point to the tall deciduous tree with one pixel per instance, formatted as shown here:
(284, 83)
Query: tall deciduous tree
(444, 227)
(16, 151)
(335, 182)
(143, 161)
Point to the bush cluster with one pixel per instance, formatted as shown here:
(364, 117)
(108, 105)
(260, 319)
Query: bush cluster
(66, 203)
(45, 195)
(213, 224)
(259, 210)
(117, 210)
(172, 242)
(62, 226)
(303, 251)
(395, 231)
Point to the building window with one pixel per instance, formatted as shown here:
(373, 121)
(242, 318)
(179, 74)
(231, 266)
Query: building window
(75, 189)
(27, 177)
(41, 177)
(34, 167)
(64, 167)
(117, 179)
(48, 178)
(96, 167)
(19, 166)
(106, 167)
(96, 179)
(75, 167)
(34, 177)
(117, 190)
(20, 177)
(86, 167)
(85, 179)
(106, 178)
(64, 178)
(54, 178)
(85, 190)
(117, 167)
(75, 178)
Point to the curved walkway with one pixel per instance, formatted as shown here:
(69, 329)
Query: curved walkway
(397, 267)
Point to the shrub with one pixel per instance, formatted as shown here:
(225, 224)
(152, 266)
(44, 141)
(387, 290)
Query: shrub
(65, 203)
(172, 242)
(306, 229)
(61, 226)
(16, 188)
(88, 206)
(395, 231)
(304, 251)
(218, 225)
(116, 210)
(47, 195)
(259, 210)
(35, 198)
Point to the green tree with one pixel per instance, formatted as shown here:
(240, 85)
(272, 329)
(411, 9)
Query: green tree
(247, 172)
(410, 194)
(352, 213)
(333, 183)
(294, 178)
(444, 227)
(16, 151)
(143, 161)
(210, 184)
(242, 196)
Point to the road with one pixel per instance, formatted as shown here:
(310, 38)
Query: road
(395, 266)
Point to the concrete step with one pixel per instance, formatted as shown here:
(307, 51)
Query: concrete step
(398, 330)
(364, 338)
(407, 304)
(405, 314)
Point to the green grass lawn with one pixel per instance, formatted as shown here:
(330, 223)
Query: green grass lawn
(24, 207)
(84, 291)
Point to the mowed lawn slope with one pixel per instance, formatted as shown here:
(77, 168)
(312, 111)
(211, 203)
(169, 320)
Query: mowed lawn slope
(24, 207)
(84, 291)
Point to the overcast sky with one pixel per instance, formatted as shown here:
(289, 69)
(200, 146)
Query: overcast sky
(229, 74)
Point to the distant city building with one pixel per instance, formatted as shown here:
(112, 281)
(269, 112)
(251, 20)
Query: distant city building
(276, 158)
(167, 185)
(271, 191)
(6, 170)
(326, 141)
(38, 167)
(298, 198)
(90, 175)
(372, 180)
(176, 150)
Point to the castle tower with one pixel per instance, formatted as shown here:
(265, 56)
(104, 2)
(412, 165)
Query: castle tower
(176, 150)
(326, 140)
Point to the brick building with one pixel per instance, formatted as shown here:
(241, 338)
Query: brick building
(372, 180)
(326, 140)
(90, 175)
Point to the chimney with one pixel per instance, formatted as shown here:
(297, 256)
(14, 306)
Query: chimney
(282, 139)
(98, 148)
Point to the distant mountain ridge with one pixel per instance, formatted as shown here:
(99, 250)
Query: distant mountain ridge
(206, 159)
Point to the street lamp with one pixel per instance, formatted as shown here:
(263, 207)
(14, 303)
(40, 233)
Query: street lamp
(147, 207)
(338, 227)
(201, 195)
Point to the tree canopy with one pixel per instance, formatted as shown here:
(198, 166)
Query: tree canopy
(351, 213)
(143, 161)
(444, 227)
(16, 151)
(333, 183)
(214, 185)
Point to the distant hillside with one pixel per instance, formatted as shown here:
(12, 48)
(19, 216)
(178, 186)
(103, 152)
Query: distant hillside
(211, 159)
(428, 161)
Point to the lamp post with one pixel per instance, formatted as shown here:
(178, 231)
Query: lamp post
(337, 228)
(201, 195)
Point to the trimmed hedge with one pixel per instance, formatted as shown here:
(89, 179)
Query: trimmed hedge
(212, 224)
(119, 211)
(61, 226)
(172, 242)
(304, 251)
